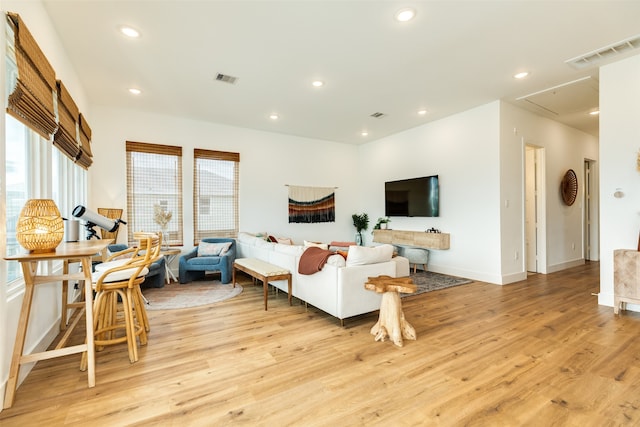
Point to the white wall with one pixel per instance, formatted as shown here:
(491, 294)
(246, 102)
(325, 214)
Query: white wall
(463, 150)
(565, 148)
(268, 162)
(619, 148)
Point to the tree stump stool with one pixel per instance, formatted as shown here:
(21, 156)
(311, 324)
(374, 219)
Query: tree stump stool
(391, 322)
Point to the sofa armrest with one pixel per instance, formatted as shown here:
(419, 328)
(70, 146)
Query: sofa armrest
(191, 254)
(229, 257)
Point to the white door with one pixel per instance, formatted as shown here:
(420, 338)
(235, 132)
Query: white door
(531, 245)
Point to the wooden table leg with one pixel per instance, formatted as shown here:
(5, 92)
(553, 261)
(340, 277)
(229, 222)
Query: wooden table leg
(65, 296)
(233, 275)
(265, 290)
(29, 270)
(88, 301)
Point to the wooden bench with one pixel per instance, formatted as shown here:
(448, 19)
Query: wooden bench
(263, 271)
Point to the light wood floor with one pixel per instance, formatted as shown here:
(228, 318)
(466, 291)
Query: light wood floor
(539, 353)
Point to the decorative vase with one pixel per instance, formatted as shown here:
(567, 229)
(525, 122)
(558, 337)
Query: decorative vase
(359, 239)
(165, 239)
(383, 226)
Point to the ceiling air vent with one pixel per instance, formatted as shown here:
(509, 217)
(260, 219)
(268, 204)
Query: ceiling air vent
(377, 115)
(225, 78)
(606, 53)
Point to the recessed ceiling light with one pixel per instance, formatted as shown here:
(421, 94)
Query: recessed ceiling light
(595, 113)
(318, 83)
(135, 91)
(404, 15)
(521, 75)
(274, 116)
(130, 32)
(422, 112)
(364, 133)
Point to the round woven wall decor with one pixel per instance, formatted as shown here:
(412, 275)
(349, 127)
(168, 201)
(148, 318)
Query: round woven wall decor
(569, 187)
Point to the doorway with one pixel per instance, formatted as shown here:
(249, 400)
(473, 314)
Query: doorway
(590, 224)
(535, 241)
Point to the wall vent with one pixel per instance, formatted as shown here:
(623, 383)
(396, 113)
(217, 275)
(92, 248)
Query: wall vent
(608, 52)
(225, 78)
(378, 115)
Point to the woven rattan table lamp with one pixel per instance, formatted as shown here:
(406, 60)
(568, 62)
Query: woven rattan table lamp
(40, 227)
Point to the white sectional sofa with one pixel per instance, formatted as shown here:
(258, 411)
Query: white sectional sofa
(337, 289)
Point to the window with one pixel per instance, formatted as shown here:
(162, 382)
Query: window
(154, 178)
(215, 194)
(35, 170)
(205, 205)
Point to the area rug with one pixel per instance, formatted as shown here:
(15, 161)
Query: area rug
(175, 296)
(428, 281)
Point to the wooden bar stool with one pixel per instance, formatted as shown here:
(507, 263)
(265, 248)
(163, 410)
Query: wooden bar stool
(119, 312)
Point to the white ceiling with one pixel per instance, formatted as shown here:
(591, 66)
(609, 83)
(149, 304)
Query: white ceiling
(451, 57)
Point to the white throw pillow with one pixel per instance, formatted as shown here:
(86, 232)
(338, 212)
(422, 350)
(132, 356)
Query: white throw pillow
(213, 249)
(363, 255)
(336, 261)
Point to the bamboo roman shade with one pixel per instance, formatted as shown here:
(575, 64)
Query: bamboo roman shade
(86, 156)
(38, 100)
(154, 178)
(32, 100)
(215, 194)
(66, 137)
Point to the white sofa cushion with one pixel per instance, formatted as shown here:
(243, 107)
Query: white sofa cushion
(363, 255)
(263, 244)
(295, 250)
(249, 239)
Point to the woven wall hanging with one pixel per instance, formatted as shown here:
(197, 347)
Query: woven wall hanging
(569, 187)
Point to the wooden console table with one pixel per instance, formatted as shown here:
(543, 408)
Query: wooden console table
(419, 239)
(82, 252)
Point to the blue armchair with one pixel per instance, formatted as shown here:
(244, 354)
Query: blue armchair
(157, 270)
(193, 266)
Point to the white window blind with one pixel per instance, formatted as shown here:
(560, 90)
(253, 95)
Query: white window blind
(154, 178)
(215, 194)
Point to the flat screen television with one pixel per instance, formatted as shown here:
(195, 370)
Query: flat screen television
(412, 197)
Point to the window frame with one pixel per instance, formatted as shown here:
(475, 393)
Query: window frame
(208, 160)
(140, 213)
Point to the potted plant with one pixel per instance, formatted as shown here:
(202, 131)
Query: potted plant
(382, 223)
(361, 223)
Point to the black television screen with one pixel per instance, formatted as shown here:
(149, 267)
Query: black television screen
(412, 197)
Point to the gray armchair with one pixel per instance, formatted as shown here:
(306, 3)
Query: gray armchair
(193, 267)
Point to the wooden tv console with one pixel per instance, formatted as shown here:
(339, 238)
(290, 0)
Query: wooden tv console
(420, 239)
